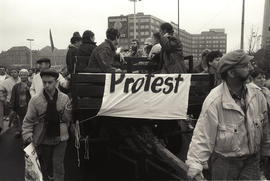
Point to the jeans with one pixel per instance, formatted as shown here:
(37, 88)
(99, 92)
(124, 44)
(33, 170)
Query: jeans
(238, 168)
(52, 161)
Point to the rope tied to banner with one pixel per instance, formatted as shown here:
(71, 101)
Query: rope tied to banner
(78, 139)
(86, 148)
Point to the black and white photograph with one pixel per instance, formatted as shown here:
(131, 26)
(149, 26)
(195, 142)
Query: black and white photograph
(134, 90)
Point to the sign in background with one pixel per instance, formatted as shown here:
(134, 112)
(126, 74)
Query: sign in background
(158, 96)
(120, 23)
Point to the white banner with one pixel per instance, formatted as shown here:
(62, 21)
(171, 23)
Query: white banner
(157, 96)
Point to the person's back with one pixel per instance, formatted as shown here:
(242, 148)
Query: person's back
(73, 51)
(103, 57)
(101, 54)
(88, 44)
(171, 51)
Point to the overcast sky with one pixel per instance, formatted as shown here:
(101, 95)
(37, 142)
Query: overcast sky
(22, 19)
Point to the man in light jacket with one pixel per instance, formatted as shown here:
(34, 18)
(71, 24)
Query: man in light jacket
(37, 85)
(233, 126)
(46, 125)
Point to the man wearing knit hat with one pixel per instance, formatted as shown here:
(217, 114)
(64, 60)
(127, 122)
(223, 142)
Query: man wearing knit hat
(233, 127)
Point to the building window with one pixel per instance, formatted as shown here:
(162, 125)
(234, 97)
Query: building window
(142, 32)
(147, 33)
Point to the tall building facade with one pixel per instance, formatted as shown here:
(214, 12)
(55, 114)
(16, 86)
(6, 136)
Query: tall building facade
(146, 25)
(214, 39)
(266, 25)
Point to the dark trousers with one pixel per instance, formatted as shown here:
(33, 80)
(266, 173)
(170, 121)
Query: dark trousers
(52, 161)
(235, 168)
(18, 120)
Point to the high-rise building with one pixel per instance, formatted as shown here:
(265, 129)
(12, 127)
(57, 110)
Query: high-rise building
(146, 25)
(266, 25)
(214, 39)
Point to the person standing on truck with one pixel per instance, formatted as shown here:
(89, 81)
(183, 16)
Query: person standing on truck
(46, 125)
(72, 52)
(172, 59)
(202, 67)
(88, 44)
(37, 85)
(233, 127)
(103, 58)
(134, 49)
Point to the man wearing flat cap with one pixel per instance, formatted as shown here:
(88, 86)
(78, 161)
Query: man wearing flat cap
(37, 85)
(232, 131)
(46, 126)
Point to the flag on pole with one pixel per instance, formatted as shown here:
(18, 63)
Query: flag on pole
(51, 40)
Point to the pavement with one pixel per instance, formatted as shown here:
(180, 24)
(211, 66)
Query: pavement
(5, 127)
(11, 156)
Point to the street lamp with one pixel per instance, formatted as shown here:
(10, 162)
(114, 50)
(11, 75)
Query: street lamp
(134, 17)
(31, 60)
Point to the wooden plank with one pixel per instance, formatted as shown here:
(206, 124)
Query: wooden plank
(88, 103)
(200, 77)
(88, 90)
(87, 78)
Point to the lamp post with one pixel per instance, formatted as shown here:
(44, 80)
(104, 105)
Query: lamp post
(31, 60)
(134, 17)
(242, 25)
(178, 19)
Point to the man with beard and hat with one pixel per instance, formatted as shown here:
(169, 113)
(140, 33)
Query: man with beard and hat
(46, 125)
(72, 52)
(233, 128)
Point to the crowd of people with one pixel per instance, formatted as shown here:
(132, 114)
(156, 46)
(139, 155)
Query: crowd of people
(231, 137)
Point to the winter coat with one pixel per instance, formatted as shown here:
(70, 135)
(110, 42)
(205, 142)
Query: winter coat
(86, 48)
(34, 122)
(172, 55)
(103, 58)
(15, 95)
(70, 58)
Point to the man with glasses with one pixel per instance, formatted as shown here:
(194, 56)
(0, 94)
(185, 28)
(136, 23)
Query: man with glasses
(233, 128)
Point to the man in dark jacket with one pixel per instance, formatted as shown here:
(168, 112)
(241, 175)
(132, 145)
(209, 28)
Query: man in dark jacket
(88, 44)
(75, 41)
(103, 57)
(171, 51)
(85, 50)
(20, 97)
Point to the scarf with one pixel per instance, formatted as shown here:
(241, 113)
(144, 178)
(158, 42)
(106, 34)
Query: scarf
(52, 117)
